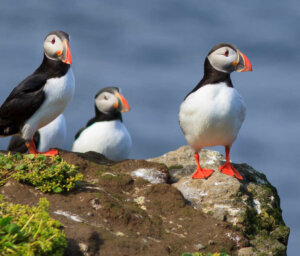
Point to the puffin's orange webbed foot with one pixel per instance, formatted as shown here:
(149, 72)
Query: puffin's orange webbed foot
(228, 169)
(202, 173)
(32, 150)
(50, 152)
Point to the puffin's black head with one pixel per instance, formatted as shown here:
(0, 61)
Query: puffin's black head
(227, 58)
(56, 47)
(110, 100)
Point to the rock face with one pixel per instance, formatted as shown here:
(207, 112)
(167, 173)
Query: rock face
(252, 205)
(138, 207)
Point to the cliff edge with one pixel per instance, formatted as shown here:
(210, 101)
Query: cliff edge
(153, 207)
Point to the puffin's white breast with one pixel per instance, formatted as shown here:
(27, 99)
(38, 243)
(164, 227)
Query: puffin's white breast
(59, 92)
(212, 116)
(109, 138)
(53, 134)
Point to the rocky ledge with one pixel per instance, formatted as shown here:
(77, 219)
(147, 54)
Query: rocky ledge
(153, 207)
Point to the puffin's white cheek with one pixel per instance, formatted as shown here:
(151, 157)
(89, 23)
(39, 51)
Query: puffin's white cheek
(52, 49)
(217, 61)
(104, 105)
(49, 49)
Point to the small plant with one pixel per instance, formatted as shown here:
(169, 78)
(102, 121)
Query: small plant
(28, 230)
(48, 174)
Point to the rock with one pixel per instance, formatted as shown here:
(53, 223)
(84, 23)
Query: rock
(84, 249)
(211, 242)
(138, 207)
(181, 162)
(268, 245)
(252, 205)
(199, 247)
(150, 174)
(246, 251)
(95, 203)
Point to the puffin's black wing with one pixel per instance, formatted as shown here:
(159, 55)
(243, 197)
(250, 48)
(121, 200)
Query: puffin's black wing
(17, 143)
(22, 103)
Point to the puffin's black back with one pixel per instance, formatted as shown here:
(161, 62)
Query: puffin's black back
(28, 96)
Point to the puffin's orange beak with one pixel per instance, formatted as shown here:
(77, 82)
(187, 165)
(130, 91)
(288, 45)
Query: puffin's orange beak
(242, 63)
(121, 103)
(66, 54)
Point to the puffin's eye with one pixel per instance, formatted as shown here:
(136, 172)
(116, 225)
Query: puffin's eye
(226, 53)
(105, 97)
(53, 40)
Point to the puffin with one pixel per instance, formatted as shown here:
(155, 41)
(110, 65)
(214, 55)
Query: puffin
(213, 112)
(106, 133)
(50, 136)
(42, 96)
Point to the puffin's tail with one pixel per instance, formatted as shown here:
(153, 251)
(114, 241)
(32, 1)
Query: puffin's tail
(8, 128)
(17, 143)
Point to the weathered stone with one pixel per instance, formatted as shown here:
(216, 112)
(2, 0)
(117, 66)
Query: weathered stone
(95, 203)
(281, 234)
(115, 213)
(268, 245)
(251, 204)
(135, 207)
(211, 242)
(199, 247)
(247, 251)
(150, 174)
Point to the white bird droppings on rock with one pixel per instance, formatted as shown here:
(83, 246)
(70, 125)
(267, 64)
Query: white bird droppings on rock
(119, 233)
(199, 247)
(151, 175)
(141, 201)
(257, 206)
(69, 215)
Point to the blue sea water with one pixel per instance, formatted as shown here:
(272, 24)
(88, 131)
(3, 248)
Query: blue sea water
(154, 50)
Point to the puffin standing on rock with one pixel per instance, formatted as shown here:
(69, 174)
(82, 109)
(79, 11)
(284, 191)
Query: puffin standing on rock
(106, 132)
(43, 95)
(213, 112)
(50, 136)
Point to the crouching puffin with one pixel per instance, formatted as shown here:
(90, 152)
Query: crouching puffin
(50, 136)
(43, 95)
(106, 132)
(213, 112)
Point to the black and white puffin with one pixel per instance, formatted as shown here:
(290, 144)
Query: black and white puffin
(106, 132)
(50, 136)
(43, 95)
(213, 112)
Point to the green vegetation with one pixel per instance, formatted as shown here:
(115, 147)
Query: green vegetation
(28, 230)
(175, 166)
(48, 174)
